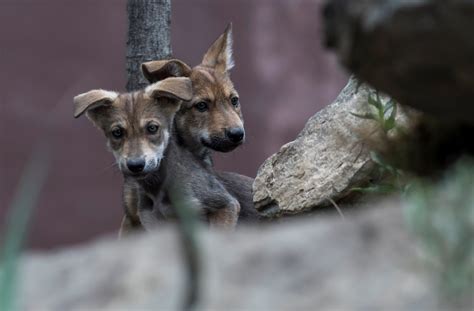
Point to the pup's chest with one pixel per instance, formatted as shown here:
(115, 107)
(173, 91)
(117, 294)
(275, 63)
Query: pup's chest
(162, 205)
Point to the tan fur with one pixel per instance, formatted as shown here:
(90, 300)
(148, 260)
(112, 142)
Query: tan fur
(162, 69)
(127, 227)
(219, 55)
(206, 74)
(130, 196)
(225, 218)
(127, 112)
(92, 99)
(216, 89)
(178, 88)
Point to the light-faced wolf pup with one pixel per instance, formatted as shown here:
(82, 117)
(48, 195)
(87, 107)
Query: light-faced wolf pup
(212, 119)
(139, 132)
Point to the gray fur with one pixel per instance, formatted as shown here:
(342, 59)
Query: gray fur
(240, 187)
(194, 181)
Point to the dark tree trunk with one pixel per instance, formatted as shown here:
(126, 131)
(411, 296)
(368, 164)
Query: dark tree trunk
(148, 37)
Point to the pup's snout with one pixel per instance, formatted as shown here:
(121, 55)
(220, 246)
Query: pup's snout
(136, 165)
(235, 134)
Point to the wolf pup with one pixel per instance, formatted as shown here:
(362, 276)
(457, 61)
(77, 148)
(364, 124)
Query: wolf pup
(139, 132)
(212, 119)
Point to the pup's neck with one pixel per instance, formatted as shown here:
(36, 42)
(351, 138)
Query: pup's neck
(203, 153)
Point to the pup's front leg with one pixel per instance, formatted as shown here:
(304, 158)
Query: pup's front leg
(150, 212)
(127, 227)
(220, 207)
(130, 221)
(225, 215)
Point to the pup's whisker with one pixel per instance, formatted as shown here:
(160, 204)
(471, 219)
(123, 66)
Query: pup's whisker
(107, 168)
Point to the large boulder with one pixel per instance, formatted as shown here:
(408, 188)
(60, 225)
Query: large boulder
(367, 262)
(325, 161)
(417, 51)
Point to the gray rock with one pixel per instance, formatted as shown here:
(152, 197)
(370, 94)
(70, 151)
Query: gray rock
(367, 262)
(417, 51)
(324, 162)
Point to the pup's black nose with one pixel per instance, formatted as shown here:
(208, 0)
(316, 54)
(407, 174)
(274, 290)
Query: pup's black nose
(136, 165)
(235, 134)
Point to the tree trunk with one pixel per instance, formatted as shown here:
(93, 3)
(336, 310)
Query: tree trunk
(148, 37)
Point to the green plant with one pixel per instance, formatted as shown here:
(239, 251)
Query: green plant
(389, 179)
(384, 113)
(18, 218)
(441, 216)
(188, 227)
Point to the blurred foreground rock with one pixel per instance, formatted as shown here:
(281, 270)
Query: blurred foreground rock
(324, 162)
(367, 262)
(418, 51)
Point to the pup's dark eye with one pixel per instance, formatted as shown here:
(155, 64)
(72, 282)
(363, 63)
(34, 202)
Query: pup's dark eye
(117, 132)
(201, 106)
(235, 101)
(152, 128)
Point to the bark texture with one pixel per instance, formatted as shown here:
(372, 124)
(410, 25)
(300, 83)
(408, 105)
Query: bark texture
(148, 37)
(417, 51)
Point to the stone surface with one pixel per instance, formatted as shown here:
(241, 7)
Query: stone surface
(366, 262)
(324, 162)
(417, 51)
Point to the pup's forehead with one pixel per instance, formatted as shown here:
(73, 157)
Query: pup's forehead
(204, 74)
(135, 106)
(209, 83)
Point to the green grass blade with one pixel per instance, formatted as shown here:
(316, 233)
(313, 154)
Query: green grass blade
(375, 102)
(367, 116)
(188, 226)
(377, 189)
(24, 201)
(391, 121)
(389, 105)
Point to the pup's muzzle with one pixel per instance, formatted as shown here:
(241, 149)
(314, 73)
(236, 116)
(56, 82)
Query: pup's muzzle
(232, 138)
(235, 135)
(136, 166)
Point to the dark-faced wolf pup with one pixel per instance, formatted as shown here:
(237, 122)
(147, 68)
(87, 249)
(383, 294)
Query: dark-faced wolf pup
(212, 119)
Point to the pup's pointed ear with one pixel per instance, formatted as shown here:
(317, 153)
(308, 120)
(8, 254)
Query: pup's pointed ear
(161, 69)
(92, 99)
(219, 55)
(176, 88)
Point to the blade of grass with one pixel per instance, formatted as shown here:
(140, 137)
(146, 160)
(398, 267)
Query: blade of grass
(375, 102)
(378, 189)
(390, 122)
(366, 116)
(188, 228)
(338, 209)
(388, 106)
(19, 214)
